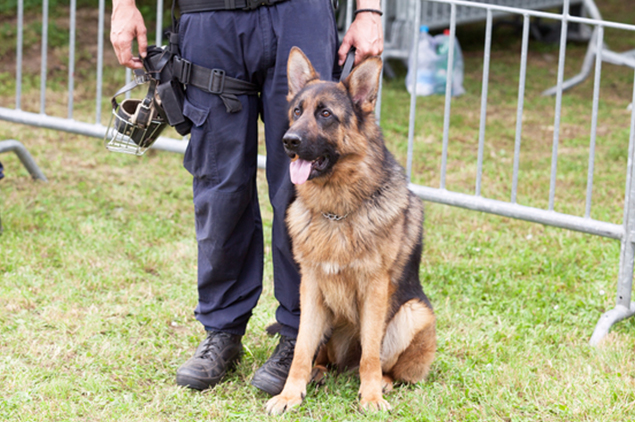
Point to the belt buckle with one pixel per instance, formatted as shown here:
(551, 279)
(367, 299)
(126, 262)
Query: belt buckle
(254, 4)
(140, 76)
(215, 85)
(186, 71)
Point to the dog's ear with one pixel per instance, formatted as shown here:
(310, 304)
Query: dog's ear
(363, 83)
(299, 71)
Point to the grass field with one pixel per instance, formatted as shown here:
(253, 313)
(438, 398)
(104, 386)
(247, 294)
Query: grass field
(98, 266)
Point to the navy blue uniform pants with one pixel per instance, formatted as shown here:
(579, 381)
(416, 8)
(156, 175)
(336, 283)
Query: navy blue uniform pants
(222, 153)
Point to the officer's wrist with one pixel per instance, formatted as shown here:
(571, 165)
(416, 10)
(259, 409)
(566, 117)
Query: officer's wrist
(120, 3)
(369, 4)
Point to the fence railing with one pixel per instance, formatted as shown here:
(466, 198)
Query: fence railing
(70, 123)
(624, 231)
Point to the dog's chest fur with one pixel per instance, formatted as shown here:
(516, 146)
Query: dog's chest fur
(341, 256)
(333, 247)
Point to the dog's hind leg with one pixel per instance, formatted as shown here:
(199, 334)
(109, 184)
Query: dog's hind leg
(386, 384)
(319, 371)
(409, 343)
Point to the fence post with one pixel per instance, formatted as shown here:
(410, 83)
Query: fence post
(624, 308)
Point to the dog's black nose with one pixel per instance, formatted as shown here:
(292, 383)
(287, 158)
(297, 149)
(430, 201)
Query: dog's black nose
(291, 141)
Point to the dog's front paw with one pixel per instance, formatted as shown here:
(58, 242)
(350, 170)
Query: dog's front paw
(283, 402)
(374, 403)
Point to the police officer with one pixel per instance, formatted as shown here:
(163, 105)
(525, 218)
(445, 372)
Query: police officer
(249, 40)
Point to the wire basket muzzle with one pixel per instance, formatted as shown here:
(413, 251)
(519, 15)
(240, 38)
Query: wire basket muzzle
(125, 135)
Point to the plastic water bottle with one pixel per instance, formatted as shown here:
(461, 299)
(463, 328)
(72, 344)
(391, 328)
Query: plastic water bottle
(424, 68)
(442, 45)
(432, 66)
(443, 42)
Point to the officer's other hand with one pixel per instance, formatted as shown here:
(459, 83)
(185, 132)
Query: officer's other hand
(366, 35)
(127, 24)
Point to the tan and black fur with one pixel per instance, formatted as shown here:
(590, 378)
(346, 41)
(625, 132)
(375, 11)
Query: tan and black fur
(356, 232)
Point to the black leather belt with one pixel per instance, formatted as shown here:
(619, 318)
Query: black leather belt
(213, 81)
(194, 6)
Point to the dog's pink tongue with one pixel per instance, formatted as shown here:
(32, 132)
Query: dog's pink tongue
(299, 171)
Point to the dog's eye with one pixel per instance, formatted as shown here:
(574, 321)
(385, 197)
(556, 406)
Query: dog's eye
(297, 112)
(326, 113)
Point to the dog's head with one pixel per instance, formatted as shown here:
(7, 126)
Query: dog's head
(324, 116)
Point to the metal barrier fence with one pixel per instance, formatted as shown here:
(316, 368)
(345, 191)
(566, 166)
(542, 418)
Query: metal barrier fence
(436, 15)
(625, 232)
(68, 123)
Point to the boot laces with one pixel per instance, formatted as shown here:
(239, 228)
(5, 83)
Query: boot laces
(214, 344)
(284, 354)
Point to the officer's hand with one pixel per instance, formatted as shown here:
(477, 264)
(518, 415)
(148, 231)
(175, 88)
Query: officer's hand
(127, 24)
(366, 35)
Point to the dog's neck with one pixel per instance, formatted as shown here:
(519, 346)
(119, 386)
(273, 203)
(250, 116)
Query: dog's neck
(336, 217)
(348, 207)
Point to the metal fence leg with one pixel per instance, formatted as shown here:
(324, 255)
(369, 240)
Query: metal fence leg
(626, 58)
(24, 156)
(587, 66)
(624, 308)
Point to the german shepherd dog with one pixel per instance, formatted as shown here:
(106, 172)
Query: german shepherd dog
(356, 233)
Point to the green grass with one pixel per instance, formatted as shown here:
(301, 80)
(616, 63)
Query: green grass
(98, 267)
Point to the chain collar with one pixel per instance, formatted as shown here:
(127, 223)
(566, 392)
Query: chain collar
(333, 217)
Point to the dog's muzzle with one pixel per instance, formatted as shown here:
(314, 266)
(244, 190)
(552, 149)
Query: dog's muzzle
(292, 142)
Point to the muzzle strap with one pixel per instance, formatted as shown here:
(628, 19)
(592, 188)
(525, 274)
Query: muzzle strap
(140, 77)
(146, 110)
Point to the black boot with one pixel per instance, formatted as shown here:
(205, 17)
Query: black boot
(213, 357)
(271, 376)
